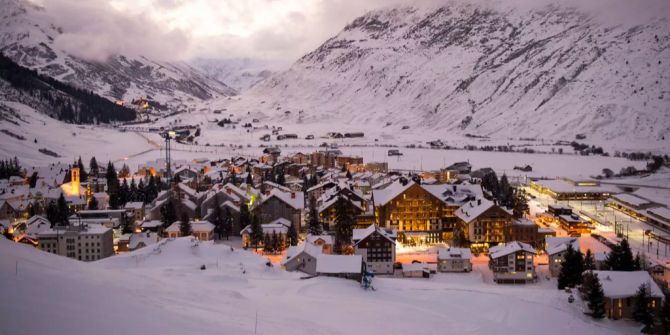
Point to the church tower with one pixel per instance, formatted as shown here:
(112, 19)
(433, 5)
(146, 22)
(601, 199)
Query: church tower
(75, 182)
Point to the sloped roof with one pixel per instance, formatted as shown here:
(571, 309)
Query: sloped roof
(361, 234)
(383, 196)
(454, 253)
(297, 202)
(509, 248)
(334, 264)
(471, 210)
(560, 244)
(295, 250)
(623, 284)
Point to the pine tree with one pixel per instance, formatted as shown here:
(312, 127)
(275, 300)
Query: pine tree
(93, 204)
(127, 226)
(596, 298)
(52, 213)
(82, 170)
(63, 212)
(292, 235)
(185, 225)
(519, 203)
(275, 241)
(505, 193)
(459, 239)
(589, 261)
(93, 167)
(112, 186)
(314, 225)
(141, 192)
(249, 180)
(267, 243)
(620, 257)
(227, 223)
(642, 311)
(281, 179)
(256, 231)
(132, 195)
(344, 222)
(571, 268)
(245, 216)
(124, 172)
(168, 214)
(124, 193)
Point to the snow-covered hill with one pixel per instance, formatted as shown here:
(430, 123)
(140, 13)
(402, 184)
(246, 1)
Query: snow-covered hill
(550, 72)
(240, 73)
(161, 289)
(29, 35)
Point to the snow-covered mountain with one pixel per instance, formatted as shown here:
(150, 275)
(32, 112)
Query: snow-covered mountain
(550, 72)
(240, 73)
(28, 35)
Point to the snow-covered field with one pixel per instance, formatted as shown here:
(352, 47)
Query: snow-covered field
(162, 290)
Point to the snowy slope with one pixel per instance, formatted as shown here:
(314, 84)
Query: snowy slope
(29, 36)
(161, 289)
(240, 73)
(551, 72)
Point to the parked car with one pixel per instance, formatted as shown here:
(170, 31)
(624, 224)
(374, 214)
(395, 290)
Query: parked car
(394, 152)
(309, 137)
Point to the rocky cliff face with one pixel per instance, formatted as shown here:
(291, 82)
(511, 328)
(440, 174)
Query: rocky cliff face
(552, 72)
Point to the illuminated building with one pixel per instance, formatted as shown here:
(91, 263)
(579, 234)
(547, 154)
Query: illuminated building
(512, 263)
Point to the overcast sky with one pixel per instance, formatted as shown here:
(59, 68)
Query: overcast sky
(183, 29)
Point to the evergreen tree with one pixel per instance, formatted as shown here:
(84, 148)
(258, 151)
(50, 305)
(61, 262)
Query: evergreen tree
(642, 311)
(571, 268)
(141, 192)
(124, 172)
(459, 240)
(32, 181)
(63, 212)
(589, 261)
(256, 235)
(505, 192)
(124, 193)
(596, 298)
(127, 226)
(349, 176)
(275, 241)
(344, 222)
(112, 186)
(620, 257)
(519, 203)
(267, 243)
(490, 183)
(94, 170)
(314, 225)
(82, 169)
(185, 225)
(233, 177)
(132, 195)
(245, 216)
(227, 221)
(52, 213)
(281, 179)
(292, 235)
(250, 179)
(93, 204)
(168, 214)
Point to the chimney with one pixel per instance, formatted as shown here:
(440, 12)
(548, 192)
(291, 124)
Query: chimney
(454, 188)
(479, 202)
(229, 190)
(292, 195)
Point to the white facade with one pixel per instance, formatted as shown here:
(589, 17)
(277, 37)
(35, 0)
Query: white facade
(86, 243)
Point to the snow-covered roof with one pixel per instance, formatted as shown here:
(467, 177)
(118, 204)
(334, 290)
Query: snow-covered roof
(473, 209)
(295, 250)
(134, 205)
(631, 199)
(151, 224)
(197, 227)
(564, 186)
(146, 238)
(660, 212)
(560, 244)
(454, 253)
(623, 284)
(383, 196)
(333, 264)
(327, 239)
(509, 248)
(411, 267)
(278, 226)
(293, 199)
(360, 234)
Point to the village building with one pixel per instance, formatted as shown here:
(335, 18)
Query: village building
(620, 289)
(487, 223)
(202, 230)
(377, 247)
(326, 242)
(418, 270)
(84, 243)
(279, 227)
(564, 189)
(574, 224)
(302, 257)
(454, 260)
(512, 263)
(631, 205)
(278, 204)
(556, 248)
(135, 210)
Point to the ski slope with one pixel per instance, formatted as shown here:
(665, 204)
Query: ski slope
(161, 289)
